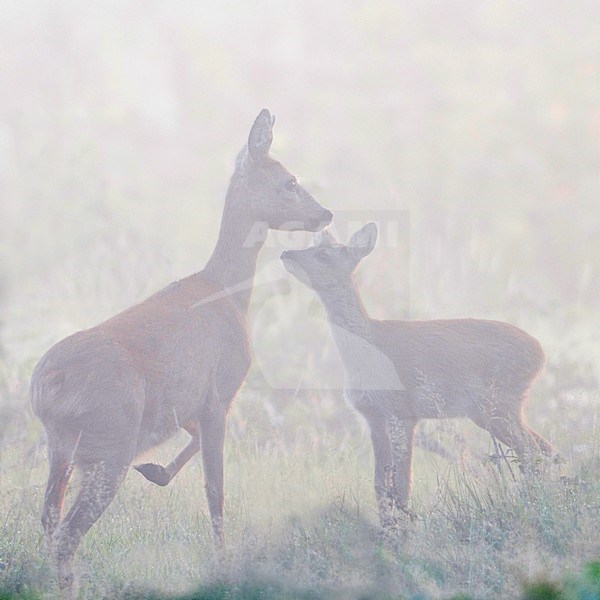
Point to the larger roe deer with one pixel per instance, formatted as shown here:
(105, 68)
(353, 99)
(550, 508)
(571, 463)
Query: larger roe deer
(176, 360)
(397, 372)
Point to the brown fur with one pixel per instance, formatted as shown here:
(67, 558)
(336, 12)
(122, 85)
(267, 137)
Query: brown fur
(398, 372)
(174, 361)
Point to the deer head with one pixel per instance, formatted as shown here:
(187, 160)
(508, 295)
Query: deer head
(272, 195)
(328, 263)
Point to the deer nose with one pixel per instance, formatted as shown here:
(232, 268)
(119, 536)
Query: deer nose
(327, 216)
(285, 254)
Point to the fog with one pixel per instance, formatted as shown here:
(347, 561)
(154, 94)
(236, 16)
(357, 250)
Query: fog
(468, 132)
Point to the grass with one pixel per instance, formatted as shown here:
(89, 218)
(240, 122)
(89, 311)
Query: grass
(301, 523)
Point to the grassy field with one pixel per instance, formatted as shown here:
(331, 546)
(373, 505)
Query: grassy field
(301, 520)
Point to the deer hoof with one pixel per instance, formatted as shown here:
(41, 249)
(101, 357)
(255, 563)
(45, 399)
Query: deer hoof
(155, 473)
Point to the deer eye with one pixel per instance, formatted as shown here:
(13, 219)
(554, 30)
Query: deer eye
(323, 258)
(291, 185)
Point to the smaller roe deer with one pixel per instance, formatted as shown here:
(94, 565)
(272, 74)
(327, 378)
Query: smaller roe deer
(397, 372)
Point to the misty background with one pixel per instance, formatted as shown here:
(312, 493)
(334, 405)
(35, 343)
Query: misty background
(478, 125)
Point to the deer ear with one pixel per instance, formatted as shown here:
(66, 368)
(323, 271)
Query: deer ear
(323, 238)
(363, 241)
(240, 160)
(261, 136)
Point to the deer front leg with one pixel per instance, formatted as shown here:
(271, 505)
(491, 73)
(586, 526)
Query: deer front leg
(213, 436)
(382, 451)
(401, 432)
(163, 475)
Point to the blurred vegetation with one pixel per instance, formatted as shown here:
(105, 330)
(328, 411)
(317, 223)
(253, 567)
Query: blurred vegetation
(476, 126)
(583, 587)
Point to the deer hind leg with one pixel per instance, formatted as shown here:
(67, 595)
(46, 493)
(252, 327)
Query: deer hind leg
(61, 467)
(163, 475)
(509, 427)
(99, 484)
(543, 445)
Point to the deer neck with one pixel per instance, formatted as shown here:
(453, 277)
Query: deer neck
(346, 313)
(368, 370)
(232, 264)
